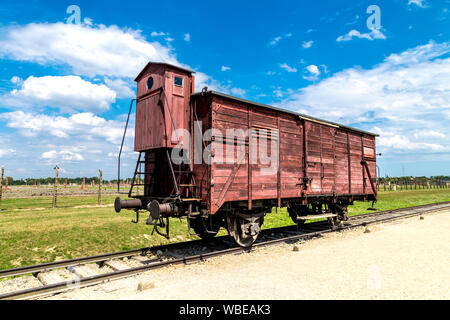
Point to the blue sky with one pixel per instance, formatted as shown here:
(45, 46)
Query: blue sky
(65, 89)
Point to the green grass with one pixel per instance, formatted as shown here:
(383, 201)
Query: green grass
(32, 233)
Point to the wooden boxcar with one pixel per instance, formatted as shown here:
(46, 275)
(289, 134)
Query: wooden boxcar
(239, 159)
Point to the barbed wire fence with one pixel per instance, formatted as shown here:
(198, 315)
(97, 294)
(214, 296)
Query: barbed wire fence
(51, 194)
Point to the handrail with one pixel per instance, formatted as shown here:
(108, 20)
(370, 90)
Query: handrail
(121, 147)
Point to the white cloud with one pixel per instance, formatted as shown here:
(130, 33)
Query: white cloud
(16, 80)
(399, 142)
(238, 91)
(279, 38)
(429, 134)
(313, 72)
(224, 68)
(419, 3)
(203, 80)
(374, 34)
(65, 155)
(121, 88)
(307, 44)
(7, 152)
(158, 34)
(89, 50)
(408, 95)
(93, 50)
(288, 68)
(77, 126)
(66, 93)
(187, 37)
(313, 69)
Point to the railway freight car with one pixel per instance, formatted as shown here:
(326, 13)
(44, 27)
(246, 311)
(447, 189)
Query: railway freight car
(221, 161)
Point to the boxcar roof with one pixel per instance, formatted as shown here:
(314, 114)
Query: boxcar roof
(220, 94)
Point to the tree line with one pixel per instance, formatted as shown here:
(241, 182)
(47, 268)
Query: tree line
(412, 180)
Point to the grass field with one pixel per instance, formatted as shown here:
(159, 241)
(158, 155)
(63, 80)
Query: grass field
(31, 233)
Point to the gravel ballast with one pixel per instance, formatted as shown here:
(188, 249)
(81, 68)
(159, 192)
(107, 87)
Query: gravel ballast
(407, 259)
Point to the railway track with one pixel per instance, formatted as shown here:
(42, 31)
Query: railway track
(60, 276)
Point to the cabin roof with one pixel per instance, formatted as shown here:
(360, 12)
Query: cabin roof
(162, 63)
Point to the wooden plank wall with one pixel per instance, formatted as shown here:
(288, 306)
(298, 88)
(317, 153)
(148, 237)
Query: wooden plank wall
(201, 170)
(333, 156)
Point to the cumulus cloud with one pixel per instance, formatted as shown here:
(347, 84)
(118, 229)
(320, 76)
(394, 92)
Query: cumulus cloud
(120, 87)
(277, 39)
(65, 155)
(307, 44)
(6, 152)
(93, 50)
(313, 72)
(374, 34)
(158, 34)
(77, 126)
(65, 93)
(419, 3)
(407, 93)
(288, 68)
(16, 80)
(89, 50)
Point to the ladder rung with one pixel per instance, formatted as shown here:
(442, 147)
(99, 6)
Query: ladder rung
(188, 185)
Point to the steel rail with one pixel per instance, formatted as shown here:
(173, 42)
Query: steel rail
(96, 279)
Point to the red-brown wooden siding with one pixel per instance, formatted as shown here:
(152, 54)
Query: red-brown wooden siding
(328, 156)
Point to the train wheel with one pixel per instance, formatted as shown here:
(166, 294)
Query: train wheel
(242, 231)
(205, 228)
(342, 215)
(295, 211)
(334, 222)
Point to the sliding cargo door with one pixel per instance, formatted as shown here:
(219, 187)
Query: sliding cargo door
(357, 173)
(320, 158)
(370, 165)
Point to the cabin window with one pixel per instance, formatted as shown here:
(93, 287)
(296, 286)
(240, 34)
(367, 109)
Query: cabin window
(178, 81)
(149, 83)
(369, 152)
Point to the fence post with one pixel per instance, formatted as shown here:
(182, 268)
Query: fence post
(83, 184)
(1, 186)
(100, 187)
(55, 187)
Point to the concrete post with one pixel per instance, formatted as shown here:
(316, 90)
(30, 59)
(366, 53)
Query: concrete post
(1, 186)
(100, 187)
(55, 187)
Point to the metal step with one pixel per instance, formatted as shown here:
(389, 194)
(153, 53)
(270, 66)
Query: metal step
(317, 216)
(191, 199)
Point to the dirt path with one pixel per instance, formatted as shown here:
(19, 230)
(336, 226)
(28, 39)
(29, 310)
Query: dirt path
(409, 259)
